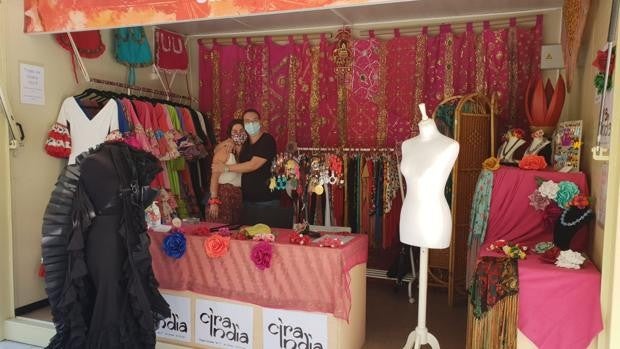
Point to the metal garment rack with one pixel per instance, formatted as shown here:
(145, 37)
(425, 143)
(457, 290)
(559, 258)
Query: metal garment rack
(375, 273)
(346, 150)
(131, 88)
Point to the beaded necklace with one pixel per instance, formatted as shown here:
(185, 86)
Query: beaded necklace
(575, 222)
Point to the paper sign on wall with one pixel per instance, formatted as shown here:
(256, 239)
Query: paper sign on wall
(284, 329)
(179, 325)
(224, 325)
(32, 84)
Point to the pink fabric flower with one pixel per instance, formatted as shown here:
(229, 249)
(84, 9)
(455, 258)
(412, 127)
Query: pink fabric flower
(538, 201)
(261, 255)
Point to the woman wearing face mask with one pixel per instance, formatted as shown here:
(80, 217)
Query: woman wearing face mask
(255, 164)
(224, 206)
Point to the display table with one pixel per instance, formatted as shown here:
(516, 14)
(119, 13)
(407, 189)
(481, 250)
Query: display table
(304, 279)
(558, 308)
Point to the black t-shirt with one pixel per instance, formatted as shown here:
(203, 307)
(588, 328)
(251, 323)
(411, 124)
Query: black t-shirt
(255, 184)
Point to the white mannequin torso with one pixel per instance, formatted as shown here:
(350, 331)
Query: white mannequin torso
(425, 218)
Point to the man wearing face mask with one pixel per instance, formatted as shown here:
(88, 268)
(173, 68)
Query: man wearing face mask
(255, 164)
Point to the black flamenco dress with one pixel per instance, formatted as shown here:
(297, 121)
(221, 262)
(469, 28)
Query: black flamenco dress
(99, 278)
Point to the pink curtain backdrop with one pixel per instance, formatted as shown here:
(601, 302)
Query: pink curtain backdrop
(294, 84)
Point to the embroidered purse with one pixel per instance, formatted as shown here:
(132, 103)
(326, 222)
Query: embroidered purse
(132, 49)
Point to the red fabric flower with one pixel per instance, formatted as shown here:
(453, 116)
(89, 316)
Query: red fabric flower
(600, 62)
(299, 239)
(551, 255)
(533, 162)
(580, 201)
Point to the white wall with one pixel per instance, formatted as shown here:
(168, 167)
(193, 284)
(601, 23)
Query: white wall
(33, 172)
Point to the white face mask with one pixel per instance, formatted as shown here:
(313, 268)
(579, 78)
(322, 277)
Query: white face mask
(252, 128)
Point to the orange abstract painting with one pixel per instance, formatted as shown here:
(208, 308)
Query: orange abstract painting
(73, 15)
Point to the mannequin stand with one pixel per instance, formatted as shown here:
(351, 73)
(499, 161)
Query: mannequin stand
(420, 335)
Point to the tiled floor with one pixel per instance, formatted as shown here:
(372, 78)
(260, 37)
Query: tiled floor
(389, 318)
(14, 345)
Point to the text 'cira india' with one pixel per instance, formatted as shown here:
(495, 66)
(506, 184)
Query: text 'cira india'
(173, 324)
(223, 327)
(292, 337)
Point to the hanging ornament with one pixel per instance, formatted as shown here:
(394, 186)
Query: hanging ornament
(343, 53)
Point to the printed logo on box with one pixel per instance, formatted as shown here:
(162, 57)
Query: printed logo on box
(178, 325)
(284, 329)
(224, 325)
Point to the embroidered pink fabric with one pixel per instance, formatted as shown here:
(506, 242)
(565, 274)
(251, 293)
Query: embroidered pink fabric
(361, 103)
(383, 79)
(305, 278)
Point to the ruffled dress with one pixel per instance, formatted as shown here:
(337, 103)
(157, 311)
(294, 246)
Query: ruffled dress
(99, 279)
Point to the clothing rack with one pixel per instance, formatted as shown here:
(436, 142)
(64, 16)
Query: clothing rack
(140, 89)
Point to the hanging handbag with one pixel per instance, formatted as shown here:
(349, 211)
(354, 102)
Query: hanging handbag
(87, 43)
(132, 49)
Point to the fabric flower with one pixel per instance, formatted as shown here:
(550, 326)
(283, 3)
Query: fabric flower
(299, 239)
(224, 231)
(491, 164)
(538, 201)
(497, 245)
(517, 132)
(200, 230)
(580, 201)
(600, 62)
(549, 189)
(216, 245)
(261, 255)
(174, 245)
(533, 162)
(264, 237)
(239, 236)
(566, 192)
(515, 251)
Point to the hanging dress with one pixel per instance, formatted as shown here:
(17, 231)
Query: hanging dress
(98, 274)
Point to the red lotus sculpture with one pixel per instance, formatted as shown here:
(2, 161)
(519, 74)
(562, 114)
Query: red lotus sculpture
(543, 106)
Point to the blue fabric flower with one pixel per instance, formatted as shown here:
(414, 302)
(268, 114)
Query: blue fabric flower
(566, 192)
(174, 245)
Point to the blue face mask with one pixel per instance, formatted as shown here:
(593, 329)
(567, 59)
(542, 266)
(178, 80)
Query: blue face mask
(252, 128)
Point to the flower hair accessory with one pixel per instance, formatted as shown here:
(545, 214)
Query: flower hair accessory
(299, 239)
(513, 251)
(532, 162)
(264, 237)
(566, 192)
(216, 246)
(261, 255)
(491, 164)
(330, 242)
(514, 132)
(174, 245)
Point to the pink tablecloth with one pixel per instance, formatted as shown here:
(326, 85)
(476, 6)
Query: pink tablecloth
(558, 308)
(512, 218)
(303, 278)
